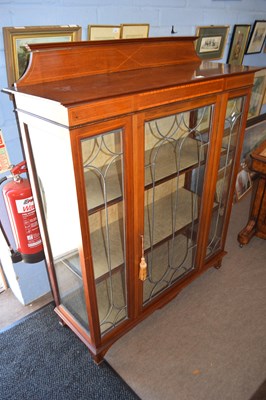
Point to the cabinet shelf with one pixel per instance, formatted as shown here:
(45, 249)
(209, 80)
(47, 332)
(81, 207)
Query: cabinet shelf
(166, 169)
(164, 226)
(71, 260)
(167, 163)
(162, 232)
(95, 189)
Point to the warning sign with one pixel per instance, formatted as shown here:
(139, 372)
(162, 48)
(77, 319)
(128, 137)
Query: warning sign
(4, 158)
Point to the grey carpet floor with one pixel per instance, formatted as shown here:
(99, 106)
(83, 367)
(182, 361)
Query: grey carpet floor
(210, 341)
(41, 360)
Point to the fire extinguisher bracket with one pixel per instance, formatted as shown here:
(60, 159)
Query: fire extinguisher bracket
(16, 256)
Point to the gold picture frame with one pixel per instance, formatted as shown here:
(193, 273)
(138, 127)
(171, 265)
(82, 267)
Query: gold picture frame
(104, 32)
(134, 31)
(211, 41)
(17, 39)
(238, 44)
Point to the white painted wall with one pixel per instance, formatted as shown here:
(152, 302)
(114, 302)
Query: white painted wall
(185, 15)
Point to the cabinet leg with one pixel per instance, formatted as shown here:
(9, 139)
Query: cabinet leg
(98, 358)
(247, 233)
(255, 211)
(61, 322)
(218, 264)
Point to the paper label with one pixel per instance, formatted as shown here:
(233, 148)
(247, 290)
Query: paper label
(25, 205)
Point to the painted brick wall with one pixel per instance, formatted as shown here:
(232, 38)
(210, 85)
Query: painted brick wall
(185, 15)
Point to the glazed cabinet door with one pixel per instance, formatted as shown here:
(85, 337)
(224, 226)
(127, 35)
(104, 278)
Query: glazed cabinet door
(230, 148)
(104, 165)
(49, 157)
(82, 177)
(177, 146)
(103, 160)
(190, 156)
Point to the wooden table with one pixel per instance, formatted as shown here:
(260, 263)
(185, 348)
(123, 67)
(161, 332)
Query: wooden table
(256, 225)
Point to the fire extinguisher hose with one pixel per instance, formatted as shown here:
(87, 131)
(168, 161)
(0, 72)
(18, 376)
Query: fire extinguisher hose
(1, 226)
(3, 180)
(15, 255)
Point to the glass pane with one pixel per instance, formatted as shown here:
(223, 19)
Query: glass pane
(176, 148)
(71, 289)
(103, 173)
(52, 158)
(229, 143)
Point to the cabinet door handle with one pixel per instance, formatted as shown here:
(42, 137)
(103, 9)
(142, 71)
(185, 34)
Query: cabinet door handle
(143, 264)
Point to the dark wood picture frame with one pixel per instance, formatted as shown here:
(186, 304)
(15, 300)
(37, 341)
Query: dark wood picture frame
(211, 42)
(238, 44)
(257, 37)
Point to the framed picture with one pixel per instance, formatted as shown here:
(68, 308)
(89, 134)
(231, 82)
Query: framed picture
(238, 44)
(134, 31)
(211, 42)
(257, 37)
(104, 32)
(254, 136)
(257, 95)
(243, 183)
(17, 39)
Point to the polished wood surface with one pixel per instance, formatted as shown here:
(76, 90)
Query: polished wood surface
(101, 79)
(80, 59)
(256, 225)
(85, 89)
(89, 71)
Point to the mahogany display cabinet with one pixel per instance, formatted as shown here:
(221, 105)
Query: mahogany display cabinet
(132, 148)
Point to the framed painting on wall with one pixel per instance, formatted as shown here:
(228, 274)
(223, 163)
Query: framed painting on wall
(257, 37)
(16, 41)
(254, 136)
(134, 31)
(211, 42)
(258, 93)
(238, 44)
(104, 32)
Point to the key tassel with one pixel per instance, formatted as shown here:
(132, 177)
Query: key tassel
(143, 264)
(142, 269)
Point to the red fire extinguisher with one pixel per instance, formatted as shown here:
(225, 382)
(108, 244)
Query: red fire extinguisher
(21, 211)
